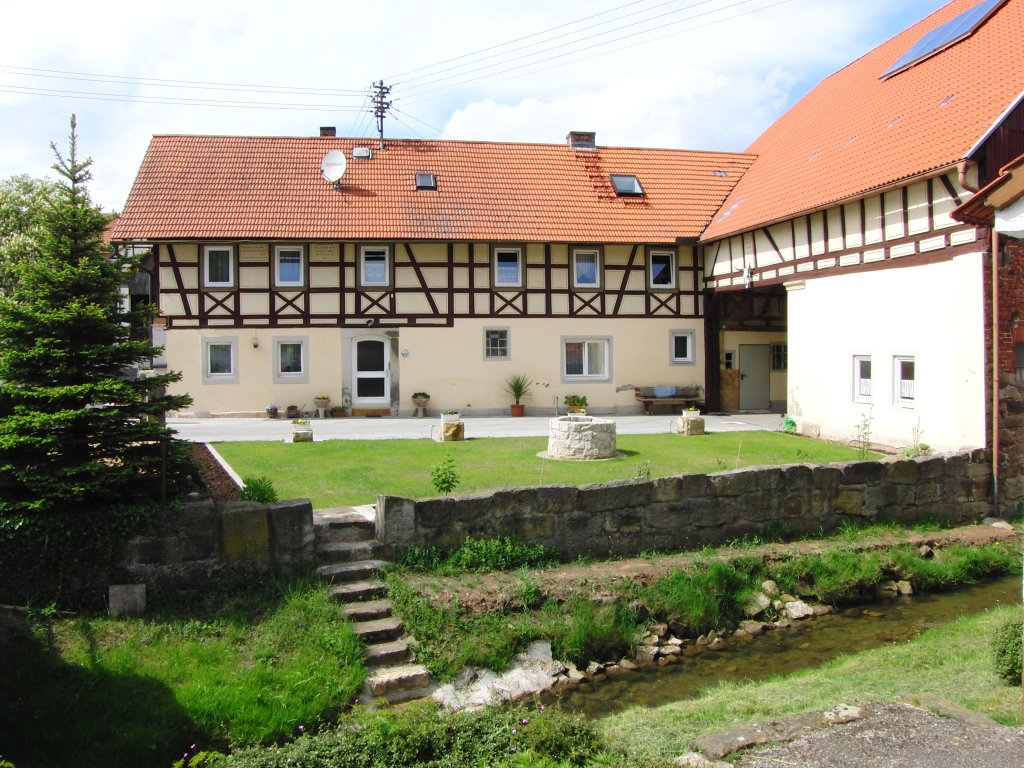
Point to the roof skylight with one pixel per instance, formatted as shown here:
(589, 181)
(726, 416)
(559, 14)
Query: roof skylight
(626, 185)
(426, 181)
(941, 38)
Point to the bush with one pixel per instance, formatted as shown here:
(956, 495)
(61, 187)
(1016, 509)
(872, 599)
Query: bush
(709, 597)
(476, 555)
(1007, 650)
(594, 632)
(259, 489)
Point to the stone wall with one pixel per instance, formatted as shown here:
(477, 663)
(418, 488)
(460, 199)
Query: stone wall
(199, 540)
(1011, 447)
(690, 511)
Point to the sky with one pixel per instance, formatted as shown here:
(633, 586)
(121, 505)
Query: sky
(693, 74)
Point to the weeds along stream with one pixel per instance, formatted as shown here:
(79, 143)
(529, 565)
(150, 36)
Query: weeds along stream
(782, 651)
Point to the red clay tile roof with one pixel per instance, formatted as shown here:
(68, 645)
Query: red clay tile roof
(854, 133)
(205, 187)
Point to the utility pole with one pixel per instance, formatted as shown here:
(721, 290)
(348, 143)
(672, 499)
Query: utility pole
(381, 105)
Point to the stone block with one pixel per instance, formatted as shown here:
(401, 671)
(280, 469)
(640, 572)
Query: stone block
(245, 534)
(797, 477)
(395, 520)
(452, 432)
(694, 486)
(291, 531)
(733, 483)
(931, 468)
(827, 479)
(126, 600)
(859, 472)
(667, 489)
(902, 471)
(688, 426)
(614, 496)
(849, 502)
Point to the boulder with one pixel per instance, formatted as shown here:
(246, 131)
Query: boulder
(757, 604)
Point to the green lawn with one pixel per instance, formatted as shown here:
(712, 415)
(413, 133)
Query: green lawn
(337, 473)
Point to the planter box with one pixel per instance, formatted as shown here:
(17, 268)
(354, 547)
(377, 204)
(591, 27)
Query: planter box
(449, 417)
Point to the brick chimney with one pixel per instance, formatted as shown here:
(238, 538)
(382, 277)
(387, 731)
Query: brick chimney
(582, 139)
(328, 131)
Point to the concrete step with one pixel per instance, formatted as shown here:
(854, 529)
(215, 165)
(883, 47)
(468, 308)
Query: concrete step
(367, 589)
(368, 610)
(396, 681)
(379, 630)
(344, 551)
(343, 526)
(391, 653)
(337, 573)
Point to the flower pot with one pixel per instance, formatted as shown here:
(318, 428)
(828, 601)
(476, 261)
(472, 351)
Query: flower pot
(451, 417)
(321, 402)
(518, 409)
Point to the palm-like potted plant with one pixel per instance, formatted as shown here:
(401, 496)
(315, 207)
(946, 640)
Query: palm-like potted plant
(519, 387)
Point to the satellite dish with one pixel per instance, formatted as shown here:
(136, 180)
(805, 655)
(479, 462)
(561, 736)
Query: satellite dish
(333, 165)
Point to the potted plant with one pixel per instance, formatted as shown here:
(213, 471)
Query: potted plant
(337, 411)
(519, 387)
(420, 400)
(302, 431)
(449, 415)
(692, 412)
(271, 410)
(321, 401)
(576, 403)
(292, 412)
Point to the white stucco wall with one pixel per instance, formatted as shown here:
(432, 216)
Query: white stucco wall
(933, 313)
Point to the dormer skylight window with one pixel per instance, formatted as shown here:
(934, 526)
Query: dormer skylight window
(426, 181)
(945, 36)
(626, 186)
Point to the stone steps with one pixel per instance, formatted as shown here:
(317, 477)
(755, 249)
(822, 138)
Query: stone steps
(345, 545)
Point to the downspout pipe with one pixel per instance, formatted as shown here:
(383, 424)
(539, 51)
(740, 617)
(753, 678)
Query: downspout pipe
(963, 169)
(995, 373)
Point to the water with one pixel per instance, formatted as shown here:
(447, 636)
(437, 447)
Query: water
(780, 652)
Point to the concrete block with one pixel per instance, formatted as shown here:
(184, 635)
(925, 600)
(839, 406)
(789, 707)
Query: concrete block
(126, 600)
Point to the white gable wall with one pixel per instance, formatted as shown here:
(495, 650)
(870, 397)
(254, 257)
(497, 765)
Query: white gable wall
(932, 313)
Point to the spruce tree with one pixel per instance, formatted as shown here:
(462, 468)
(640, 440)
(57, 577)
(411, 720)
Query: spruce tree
(77, 432)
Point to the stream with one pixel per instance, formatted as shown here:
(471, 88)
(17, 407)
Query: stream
(780, 652)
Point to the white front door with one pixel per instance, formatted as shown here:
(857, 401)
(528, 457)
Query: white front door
(371, 366)
(755, 376)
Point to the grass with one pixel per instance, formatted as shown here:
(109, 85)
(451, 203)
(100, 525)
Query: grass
(335, 473)
(139, 691)
(953, 662)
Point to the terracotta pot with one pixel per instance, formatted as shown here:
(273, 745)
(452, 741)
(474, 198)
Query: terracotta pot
(518, 409)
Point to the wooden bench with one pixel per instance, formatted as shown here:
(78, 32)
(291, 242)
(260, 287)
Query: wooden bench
(683, 396)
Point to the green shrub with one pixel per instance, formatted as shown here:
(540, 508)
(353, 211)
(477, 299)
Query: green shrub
(259, 489)
(593, 632)
(835, 576)
(420, 735)
(709, 597)
(443, 476)
(1007, 649)
(476, 555)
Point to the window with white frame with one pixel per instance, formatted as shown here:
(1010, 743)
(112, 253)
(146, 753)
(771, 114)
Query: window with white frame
(661, 269)
(375, 266)
(220, 360)
(779, 356)
(586, 358)
(586, 268)
(496, 344)
(291, 359)
(218, 266)
(904, 374)
(682, 347)
(288, 266)
(862, 377)
(508, 267)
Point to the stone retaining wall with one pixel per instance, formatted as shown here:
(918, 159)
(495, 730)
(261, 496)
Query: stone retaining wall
(1011, 447)
(200, 539)
(690, 511)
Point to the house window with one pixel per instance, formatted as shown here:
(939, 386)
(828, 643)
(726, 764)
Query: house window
(585, 359)
(905, 379)
(426, 181)
(508, 267)
(780, 357)
(291, 360)
(683, 351)
(586, 269)
(288, 266)
(861, 377)
(374, 267)
(661, 269)
(626, 185)
(218, 266)
(729, 360)
(220, 360)
(496, 346)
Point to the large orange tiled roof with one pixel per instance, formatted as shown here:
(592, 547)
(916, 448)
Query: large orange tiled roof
(854, 132)
(196, 187)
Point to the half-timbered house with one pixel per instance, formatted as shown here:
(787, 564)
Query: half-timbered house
(842, 286)
(429, 266)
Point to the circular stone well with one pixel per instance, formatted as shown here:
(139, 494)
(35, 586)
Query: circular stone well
(580, 438)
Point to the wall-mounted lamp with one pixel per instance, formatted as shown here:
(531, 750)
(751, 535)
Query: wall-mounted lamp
(372, 321)
(255, 342)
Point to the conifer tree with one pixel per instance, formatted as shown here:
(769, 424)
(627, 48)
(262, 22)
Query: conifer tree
(77, 433)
